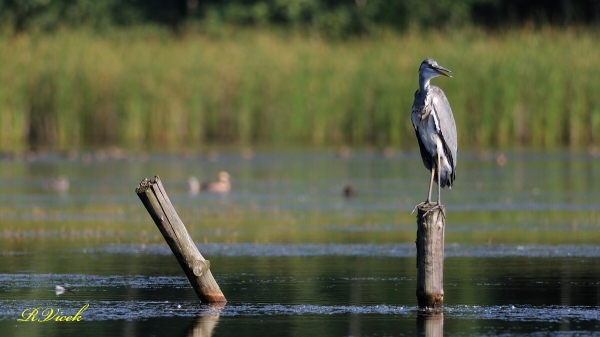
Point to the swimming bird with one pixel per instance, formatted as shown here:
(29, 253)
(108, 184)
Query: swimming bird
(60, 184)
(435, 128)
(222, 184)
(349, 192)
(193, 185)
(59, 290)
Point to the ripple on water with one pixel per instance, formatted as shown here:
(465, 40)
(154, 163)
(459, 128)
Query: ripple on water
(12, 281)
(137, 310)
(363, 250)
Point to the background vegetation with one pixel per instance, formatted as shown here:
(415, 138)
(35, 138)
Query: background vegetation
(304, 72)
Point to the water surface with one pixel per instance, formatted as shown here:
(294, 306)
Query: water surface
(293, 256)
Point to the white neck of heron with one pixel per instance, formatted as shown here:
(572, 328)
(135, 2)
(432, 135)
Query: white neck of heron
(424, 82)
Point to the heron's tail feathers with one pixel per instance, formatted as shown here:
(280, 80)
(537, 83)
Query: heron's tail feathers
(447, 179)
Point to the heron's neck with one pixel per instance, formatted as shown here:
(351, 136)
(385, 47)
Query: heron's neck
(424, 83)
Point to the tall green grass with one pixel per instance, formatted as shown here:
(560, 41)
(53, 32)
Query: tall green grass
(144, 88)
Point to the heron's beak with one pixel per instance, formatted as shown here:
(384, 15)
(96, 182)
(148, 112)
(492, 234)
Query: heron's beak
(443, 71)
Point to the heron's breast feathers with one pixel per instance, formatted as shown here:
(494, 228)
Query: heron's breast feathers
(423, 107)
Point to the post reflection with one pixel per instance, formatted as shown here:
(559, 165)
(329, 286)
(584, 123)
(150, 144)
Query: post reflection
(430, 324)
(205, 324)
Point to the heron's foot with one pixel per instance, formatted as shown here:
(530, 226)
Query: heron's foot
(434, 207)
(422, 203)
(431, 205)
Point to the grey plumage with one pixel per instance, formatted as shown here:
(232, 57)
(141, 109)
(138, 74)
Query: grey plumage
(435, 127)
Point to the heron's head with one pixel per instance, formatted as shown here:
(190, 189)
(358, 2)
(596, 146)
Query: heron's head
(430, 69)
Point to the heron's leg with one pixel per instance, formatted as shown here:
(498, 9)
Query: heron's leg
(430, 186)
(439, 177)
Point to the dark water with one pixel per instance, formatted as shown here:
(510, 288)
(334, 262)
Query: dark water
(293, 256)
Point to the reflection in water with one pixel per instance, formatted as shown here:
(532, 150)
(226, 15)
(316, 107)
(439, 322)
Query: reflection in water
(205, 324)
(430, 324)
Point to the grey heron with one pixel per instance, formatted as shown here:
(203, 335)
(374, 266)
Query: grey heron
(435, 128)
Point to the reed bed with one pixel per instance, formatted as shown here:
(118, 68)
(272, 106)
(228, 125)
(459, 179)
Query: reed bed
(145, 88)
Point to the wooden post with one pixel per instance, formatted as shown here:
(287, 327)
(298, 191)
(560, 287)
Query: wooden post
(431, 223)
(153, 196)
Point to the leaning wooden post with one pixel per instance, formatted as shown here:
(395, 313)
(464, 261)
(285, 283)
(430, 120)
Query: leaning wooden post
(165, 217)
(431, 223)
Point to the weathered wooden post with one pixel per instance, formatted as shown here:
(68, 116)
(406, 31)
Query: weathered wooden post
(153, 196)
(431, 223)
